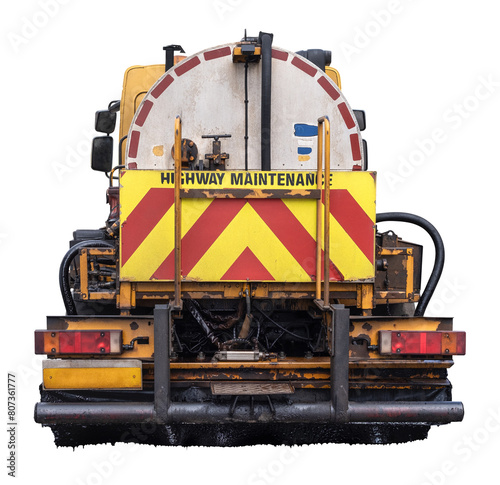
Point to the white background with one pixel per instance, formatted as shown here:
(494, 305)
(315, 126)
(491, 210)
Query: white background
(426, 73)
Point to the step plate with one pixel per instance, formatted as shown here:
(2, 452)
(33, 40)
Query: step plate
(250, 388)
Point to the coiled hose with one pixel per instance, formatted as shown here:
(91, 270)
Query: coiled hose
(438, 246)
(64, 285)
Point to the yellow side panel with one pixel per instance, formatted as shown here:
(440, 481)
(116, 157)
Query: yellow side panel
(239, 239)
(67, 377)
(136, 83)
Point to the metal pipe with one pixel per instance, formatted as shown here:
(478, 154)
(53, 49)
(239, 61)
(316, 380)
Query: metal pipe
(83, 413)
(120, 149)
(413, 412)
(94, 413)
(111, 174)
(324, 120)
(177, 206)
(266, 41)
(319, 173)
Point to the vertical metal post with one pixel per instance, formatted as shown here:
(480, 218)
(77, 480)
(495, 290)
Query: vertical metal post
(319, 172)
(339, 362)
(177, 207)
(162, 324)
(326, 226)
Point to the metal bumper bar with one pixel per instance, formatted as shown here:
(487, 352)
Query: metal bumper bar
(212, 413)
(163, 411)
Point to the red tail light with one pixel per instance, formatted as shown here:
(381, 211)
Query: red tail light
(395, 342)
(102, 342)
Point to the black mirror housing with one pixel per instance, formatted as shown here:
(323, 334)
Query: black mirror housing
(105, 121)
(102, 153)
(360, 118)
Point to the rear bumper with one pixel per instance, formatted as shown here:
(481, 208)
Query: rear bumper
(166, 409)
(216, 413)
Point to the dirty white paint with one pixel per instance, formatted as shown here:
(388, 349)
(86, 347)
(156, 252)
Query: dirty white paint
(209, 98)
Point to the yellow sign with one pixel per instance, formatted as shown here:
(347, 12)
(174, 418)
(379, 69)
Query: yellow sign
(235, 239)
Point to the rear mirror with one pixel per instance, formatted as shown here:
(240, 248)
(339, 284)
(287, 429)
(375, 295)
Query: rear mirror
(105, 121)
(360, 118)
(102, 154)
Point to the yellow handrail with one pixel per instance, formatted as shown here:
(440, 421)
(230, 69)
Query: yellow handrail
(177, 208)
(323, 126)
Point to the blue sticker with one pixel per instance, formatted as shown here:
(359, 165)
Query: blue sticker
(304, 150)
(301, 129)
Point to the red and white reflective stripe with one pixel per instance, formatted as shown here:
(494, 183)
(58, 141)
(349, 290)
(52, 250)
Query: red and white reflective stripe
(394, 342)
(101, 342)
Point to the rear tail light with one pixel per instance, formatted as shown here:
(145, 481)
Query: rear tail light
(395, 342)
(102, 342)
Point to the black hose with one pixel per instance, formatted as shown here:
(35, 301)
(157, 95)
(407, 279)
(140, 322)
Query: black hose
(438, 246)
(192, 306)
(266, 41)
(67, 297)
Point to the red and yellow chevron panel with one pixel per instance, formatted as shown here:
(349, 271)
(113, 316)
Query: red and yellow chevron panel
(239, 239)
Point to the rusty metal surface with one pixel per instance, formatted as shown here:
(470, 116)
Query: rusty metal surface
(151, 292)
(398, 274)
(212, 413)
(189, 152)
(250, 194)
(216, 159)
(250, 388)
(364, 334)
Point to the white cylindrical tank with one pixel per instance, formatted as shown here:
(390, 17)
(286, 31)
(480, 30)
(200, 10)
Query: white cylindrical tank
(207, 90)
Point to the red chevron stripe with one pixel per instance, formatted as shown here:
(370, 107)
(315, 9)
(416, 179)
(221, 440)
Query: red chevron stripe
(142, 220)
(292, 234)
(204, 232)
(247, 266)
(166, 269)
(335, 274)
(353, 219)
(277, 216)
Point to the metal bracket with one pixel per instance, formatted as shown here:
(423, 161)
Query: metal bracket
(169, 55)
(216, 160)
(339, 362)
(162, 326)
